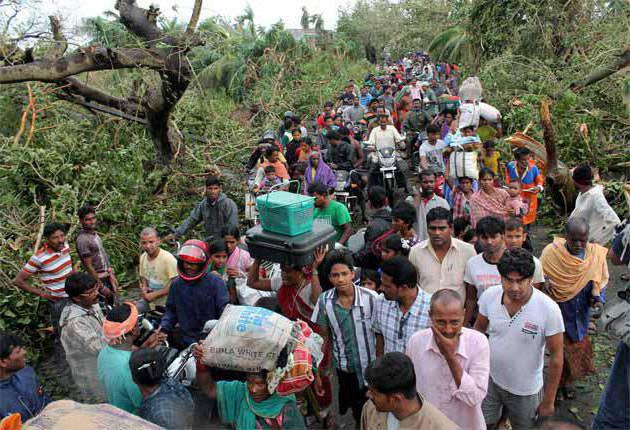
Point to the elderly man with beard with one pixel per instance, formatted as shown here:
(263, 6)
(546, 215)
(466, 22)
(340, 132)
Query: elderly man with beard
(452, 362)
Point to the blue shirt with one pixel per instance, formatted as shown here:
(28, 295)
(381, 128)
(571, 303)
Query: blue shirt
(364, 100)
(191, 304)
(115, 375)
(170, 406)
(22, 393)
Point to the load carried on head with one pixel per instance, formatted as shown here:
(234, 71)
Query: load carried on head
(252, 339)
(287, 234)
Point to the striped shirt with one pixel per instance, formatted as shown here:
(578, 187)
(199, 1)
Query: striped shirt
(53, 268)
(363, 341)
(397, 328)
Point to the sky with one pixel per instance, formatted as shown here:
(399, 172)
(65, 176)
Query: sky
(265, 12)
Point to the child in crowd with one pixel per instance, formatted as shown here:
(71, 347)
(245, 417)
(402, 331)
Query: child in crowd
(238, 261)
(490, 157)
(516, 237)
(463, 231)
(516, 202)
(393, 246)
(270, 180)
(304, 151)
(218, 258)
(371, 279)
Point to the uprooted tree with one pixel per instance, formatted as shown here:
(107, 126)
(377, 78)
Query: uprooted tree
(162, 53)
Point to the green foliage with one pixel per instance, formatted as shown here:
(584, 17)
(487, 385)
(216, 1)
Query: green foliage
(75, 158)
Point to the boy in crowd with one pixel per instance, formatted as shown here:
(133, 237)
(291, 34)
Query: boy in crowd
(343, 314)
(157, 268)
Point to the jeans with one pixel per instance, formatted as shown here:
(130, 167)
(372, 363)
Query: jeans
(614, 406)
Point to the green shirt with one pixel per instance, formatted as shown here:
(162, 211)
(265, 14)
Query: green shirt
(346, 326)
(335, 214)
(115, 375)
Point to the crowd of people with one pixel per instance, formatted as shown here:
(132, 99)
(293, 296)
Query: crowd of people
(441, 319)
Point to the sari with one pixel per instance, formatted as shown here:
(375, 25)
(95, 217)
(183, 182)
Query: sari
(530, 178)
(323, 174)
(483, 204)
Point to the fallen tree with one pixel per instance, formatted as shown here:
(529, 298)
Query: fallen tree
(164, 54)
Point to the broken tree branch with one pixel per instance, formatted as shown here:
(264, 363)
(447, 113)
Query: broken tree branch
(61, 44)
(85, 60)
(40, 232)
(76, 87)
(194, 19)
(142, 22)
(622, 62)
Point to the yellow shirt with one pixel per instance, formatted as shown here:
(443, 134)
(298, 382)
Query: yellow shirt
(492, 162)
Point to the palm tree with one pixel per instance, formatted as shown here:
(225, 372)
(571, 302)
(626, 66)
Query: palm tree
(456, 45)
(247, 17)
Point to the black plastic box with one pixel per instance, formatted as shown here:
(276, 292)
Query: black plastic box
(289, 250)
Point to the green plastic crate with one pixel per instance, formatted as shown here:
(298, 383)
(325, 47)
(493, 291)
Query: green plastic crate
(286, 213)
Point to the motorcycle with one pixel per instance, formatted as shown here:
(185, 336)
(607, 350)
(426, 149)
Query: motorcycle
(384, 171)
(349, 191)
(180, 365)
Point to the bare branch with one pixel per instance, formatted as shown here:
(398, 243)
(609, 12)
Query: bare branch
(142, 22)
(95, 108)
(85, 60)
(194, 19)
(74, 86)
(61, 44)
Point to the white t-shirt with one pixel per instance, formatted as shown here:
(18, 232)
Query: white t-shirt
(434, 154)
(483, 275)
(384, 138)
(517, 343)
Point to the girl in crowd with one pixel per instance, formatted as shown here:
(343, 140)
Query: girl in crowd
(238, 260)
(393, 246)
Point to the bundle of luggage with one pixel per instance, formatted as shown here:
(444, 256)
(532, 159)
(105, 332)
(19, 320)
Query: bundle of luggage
(252, 339)
(287, 234)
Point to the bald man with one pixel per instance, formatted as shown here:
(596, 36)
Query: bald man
(452, 363)
(577, 274)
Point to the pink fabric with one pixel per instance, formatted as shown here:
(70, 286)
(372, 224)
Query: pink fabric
(435, 382)
(245, 260)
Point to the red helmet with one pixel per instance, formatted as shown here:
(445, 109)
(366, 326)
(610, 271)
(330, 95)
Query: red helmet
(196, 252)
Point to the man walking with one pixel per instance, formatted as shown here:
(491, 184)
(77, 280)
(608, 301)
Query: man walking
(452, 362)
(93, 255)
(405, 310)
(216, 210)
(521, 322)
(441, 260)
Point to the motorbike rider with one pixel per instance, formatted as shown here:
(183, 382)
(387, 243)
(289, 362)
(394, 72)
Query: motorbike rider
(429, 99)
(385, 136)
(339, 156)
(195, 297)
(414, 125)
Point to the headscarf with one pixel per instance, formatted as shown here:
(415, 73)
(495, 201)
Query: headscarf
(569, 274)
(323, 173)
(114, 332)
(236, 406)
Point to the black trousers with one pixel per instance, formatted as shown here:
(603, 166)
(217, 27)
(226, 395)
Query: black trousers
(351, 395)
